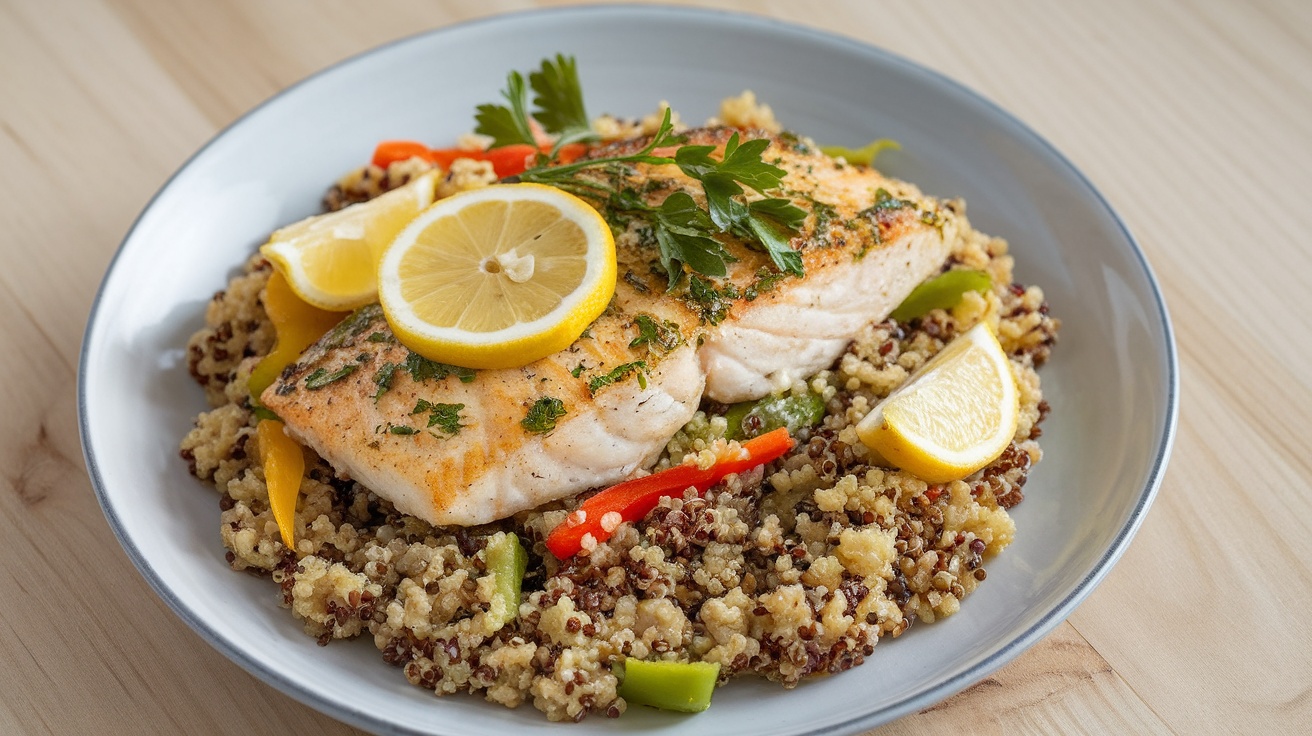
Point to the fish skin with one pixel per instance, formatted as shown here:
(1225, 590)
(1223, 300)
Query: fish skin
(860, 262)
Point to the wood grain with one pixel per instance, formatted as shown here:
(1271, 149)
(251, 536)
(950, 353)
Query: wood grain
(1194, 119)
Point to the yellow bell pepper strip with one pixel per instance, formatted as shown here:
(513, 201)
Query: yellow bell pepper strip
(296, 325)
(284, 466)
(681, 686)
(634, 499)
(943, 291)
(506, 560)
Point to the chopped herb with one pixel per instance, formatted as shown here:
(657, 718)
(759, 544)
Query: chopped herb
(632, 280)
(351, 327)
(383, 379)
(421, 369)
(321, 377)
(711, 303)
(381, 337)
(886, 201)
(587, 332)
(663, 336)
(401, 429)
(542, 416)
(619, 373)
(578, 370)
(765, 281)
(445, 417)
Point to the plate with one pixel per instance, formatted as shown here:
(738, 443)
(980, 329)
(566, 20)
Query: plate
(1112, 382)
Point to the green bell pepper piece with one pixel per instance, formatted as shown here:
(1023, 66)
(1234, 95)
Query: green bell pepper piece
(681, 686)
(506, 560)
(773, 412)
(864, 156)
(941, 292)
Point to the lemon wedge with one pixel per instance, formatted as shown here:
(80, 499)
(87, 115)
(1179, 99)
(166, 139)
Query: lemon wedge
(953, 416)
(331, 260)
(498, 277)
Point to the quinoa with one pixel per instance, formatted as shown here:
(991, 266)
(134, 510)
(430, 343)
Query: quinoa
(790, 570)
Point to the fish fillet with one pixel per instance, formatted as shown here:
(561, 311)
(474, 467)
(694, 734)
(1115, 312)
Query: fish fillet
(867, 242)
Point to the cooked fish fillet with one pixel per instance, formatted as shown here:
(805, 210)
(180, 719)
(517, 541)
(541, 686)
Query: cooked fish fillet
(868, 241)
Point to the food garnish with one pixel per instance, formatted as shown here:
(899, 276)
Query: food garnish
(445, 417)
(596, 518)
(953, 416)
(685, 231)
(331, 260)
(941, 292)
(284, 466)
(681, 686)
(542, 415)
(498, 277)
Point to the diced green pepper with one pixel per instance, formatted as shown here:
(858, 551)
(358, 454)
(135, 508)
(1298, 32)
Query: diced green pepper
(506, 560)
(865, 156)
(753, 418)
(681, 686)
(941, 292)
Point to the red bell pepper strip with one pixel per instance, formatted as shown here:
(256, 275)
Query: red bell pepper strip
(634, 499)
(506, 160)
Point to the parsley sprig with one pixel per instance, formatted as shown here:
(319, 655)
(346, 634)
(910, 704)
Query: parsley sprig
(685, 233)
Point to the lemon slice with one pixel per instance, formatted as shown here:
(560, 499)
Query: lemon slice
(498, 277)
(953, 416)
(331, 260)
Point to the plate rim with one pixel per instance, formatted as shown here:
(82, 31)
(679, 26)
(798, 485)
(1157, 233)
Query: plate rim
(924, 697)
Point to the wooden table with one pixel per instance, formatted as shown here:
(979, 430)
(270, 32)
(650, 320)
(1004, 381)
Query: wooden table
(1194, 118)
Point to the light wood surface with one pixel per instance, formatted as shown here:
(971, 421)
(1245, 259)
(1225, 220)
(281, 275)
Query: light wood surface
(1193, 118)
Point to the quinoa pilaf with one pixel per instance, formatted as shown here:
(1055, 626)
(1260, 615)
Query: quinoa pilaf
(790, 570)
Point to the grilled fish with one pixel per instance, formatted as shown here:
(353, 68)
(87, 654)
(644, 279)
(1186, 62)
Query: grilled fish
(364, 402)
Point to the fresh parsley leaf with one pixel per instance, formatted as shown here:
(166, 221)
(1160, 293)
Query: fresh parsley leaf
(578, 370)
(743, 163)
(401, 429)
(558, 104)
(542, 416)
(321, 377)
(507, 125)
(445, 417)
(683, 232)
(775, 236)
(725, 210)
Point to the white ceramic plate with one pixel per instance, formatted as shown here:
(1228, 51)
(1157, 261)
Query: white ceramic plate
(1112, 382)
